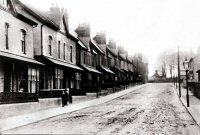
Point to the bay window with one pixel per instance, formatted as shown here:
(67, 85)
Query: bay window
(33, 80)
(58, 78)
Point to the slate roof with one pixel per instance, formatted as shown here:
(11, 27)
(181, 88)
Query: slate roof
(85, 41)
(56, 19)
(90, 69)
(18, 57)
(96, 46)
(20, 8)
(113, 51)
(63, 63)
(73, 33)
(82, 45)
(129, 58)
(45, 17)
(123, 55)
(103, 47)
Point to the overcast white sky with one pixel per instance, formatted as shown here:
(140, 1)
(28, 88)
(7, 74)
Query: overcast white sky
(146, 26)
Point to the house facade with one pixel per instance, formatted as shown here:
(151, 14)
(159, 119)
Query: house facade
(104, 62)
(88, 60)
(194, 72)
(40, 56)
(115, 63)
(131, 71)
(122, 55)
(141, 68)
(55, 46)
(19, 71)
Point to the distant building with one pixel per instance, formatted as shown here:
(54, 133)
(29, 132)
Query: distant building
(194, 72)
(91, 76)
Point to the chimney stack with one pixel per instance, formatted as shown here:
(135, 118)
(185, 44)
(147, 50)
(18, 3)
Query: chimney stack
(112, 44)
(83, 30)
(121, 49)
(100, 37)
(57, 12)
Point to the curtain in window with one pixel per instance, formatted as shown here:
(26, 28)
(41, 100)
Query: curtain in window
(77, 80)
(58, 78)
(33, 80)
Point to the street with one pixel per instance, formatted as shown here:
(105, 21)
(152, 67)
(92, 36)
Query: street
(155, 109)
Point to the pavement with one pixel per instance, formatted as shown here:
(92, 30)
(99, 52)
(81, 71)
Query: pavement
(194, 104)
(25, 119)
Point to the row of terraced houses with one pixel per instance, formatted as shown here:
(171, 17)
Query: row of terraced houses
(40, 56)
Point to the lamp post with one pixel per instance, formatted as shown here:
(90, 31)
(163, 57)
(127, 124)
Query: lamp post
(179, 80)
(186, 67)
(176, 81)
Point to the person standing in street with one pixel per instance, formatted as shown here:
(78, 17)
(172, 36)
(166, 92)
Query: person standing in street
(63, 98)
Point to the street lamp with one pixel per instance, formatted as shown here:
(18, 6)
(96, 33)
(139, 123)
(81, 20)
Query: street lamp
(186, 67)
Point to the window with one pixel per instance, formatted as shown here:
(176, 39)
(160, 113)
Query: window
(58, 78)
(71, 53)
(33, 80)
(77, 80)
(64, 46)
(109, 60)
(5, 3)
(94, 60)
(59, 49)
(50, 45)
(84, 58)
(50, 78)
(6, 34)
(89, 79)
(23, 41)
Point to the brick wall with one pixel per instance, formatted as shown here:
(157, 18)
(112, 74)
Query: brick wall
(56, 36)
(14, 39)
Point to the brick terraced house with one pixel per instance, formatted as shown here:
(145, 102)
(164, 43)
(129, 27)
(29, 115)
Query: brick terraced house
(19, 71)
(104, 62)
(40, 56)
(91, 76)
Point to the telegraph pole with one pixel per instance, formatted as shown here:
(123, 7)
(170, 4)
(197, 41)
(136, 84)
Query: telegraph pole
(179, 80)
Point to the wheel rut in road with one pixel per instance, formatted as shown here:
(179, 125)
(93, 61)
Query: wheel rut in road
(154, 109)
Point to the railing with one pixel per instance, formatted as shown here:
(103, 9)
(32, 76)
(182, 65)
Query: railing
(77, 92)
(197, 89)
(90, 87)
(17, 97)
(50, 93)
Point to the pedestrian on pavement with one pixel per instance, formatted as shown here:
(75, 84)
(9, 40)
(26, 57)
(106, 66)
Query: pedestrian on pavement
(64, 102)
(66, 97)
(69, 96)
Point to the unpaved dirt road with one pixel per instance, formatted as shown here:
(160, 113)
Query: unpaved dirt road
(154, 109)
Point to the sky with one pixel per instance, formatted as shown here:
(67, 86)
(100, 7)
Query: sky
(141, 26)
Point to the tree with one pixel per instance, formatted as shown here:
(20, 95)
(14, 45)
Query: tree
(167, 61)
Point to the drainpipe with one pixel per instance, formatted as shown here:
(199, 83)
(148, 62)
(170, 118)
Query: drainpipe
(42, 39)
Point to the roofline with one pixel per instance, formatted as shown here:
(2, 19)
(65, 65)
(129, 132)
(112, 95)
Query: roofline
(49, 22)
(97, 47)
(111, 51)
